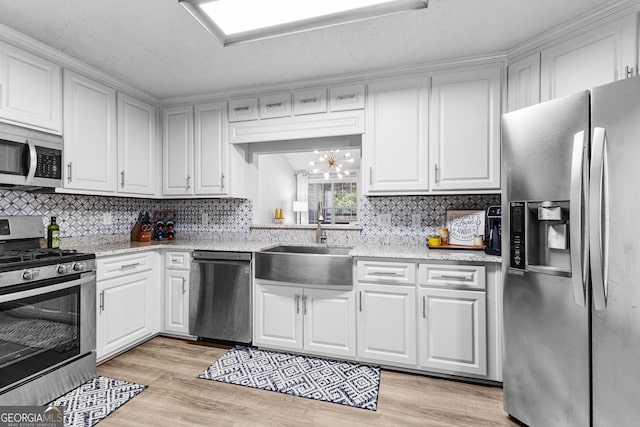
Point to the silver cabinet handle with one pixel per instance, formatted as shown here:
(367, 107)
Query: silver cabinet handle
(69, 172)
(102, 301)
(122, 178)
(577, 236)
(304, 305)
(424, 306)
(184, 289)
(437, 173)
(597, 196)
(274, 105)
(370, 175)
(297, 304)
(360, 300)
(384, 273)
(241, 109)
(33, 160)
(309, 100)
(341, 97)
(188, 182)
(628, 71)
(454, 277)
(127, 266)
(222, 181)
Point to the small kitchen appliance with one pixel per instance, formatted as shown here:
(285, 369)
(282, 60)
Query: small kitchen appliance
(47, 315)
(493, 230)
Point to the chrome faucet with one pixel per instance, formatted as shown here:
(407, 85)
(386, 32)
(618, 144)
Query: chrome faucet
(321, 235)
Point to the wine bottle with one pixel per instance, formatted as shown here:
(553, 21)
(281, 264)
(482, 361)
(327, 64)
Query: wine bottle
(53, 234)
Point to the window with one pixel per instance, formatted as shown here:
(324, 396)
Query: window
(339, 200)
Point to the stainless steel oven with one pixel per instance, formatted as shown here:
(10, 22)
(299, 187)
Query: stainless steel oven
(47, 318)
(29, 158)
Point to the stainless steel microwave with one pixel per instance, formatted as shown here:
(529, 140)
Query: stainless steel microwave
(29, 159)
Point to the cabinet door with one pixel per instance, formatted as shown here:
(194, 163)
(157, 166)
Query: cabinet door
(90, 139)
(277, 320)
(124, 312)
(465, 129)
(524, 82)
(329, 322)
(387, 324)
(136, 146)
(30, 89)
(452, 330)
(177, 151)
(211, 143)
(395, 153)
(176, 316)
(595, 58)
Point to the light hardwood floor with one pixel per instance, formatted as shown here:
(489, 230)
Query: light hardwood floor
(176, 397)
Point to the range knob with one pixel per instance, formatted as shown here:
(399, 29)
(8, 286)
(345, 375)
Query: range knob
(63, 269)
(79, 266)
(30, 274)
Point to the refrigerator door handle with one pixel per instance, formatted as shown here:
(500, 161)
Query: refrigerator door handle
(577, 219)
(598, 201)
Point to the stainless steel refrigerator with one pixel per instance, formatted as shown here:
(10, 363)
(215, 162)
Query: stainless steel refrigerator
(571, 259)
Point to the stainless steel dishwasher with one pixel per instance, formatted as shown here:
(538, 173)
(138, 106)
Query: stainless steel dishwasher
(220, 296)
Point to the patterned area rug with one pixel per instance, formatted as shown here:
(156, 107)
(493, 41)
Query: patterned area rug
(92, 401)
(331, 381)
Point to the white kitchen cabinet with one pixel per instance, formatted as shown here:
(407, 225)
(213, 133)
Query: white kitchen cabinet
(176, 292)
(30, 90)
(599, 56)
(465, 128)
(318, 321)
(329, 322)
(90, 137)
(211, 143)
(452, 330)
(136, 146)
(347, 97)
(310, 101)
(277, 322)
(395, 145)
(243, 109)
(275, 105)
(177, 151)
(386, 329)
(524, 82)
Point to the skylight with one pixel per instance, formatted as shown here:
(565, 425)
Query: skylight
(239, 21)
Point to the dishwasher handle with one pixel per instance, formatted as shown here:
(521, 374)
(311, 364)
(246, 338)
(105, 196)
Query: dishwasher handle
(220, 261)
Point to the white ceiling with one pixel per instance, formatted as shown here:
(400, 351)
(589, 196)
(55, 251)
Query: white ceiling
(156, 46)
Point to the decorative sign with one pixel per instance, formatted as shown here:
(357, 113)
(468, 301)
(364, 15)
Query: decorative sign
(464, 225)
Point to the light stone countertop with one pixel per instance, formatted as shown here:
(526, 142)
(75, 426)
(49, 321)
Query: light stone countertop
(364, 250)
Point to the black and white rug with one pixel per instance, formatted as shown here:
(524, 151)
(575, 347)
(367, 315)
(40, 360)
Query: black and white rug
(345, 383)
(92, 401)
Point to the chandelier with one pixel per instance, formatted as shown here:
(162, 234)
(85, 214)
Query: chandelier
(331, 162)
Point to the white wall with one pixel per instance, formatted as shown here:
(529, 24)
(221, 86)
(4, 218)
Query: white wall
(276, 189)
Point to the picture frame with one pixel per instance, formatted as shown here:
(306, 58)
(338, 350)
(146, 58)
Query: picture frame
(464, 225)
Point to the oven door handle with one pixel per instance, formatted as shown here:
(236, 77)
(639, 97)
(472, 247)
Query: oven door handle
(33, 161)
(39, 290)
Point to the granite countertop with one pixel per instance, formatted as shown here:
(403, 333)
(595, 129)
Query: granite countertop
(363, 250)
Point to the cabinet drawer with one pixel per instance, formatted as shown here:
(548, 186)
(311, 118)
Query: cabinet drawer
(243, 109)
(346, 97)
(276, 105)
(178, 260)
(387, 272)
(309, 101)
(110, 267)
(452, 276)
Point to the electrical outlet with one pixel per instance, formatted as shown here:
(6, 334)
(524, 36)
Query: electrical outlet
(415, 220)
(205, 218)
(384, 220)
(107, 219)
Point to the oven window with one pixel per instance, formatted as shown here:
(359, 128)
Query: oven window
(37, 333)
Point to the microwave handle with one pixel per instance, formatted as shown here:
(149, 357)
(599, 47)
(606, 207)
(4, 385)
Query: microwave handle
(33, 161)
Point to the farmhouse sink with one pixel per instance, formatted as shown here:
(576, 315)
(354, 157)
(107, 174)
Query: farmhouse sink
(306, 265)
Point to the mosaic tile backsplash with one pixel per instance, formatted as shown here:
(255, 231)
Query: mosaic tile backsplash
(81, 216)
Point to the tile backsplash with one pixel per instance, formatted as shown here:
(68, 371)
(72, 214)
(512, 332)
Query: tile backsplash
(80, 215)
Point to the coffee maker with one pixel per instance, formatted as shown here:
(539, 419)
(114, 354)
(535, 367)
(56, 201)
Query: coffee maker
(493, 230)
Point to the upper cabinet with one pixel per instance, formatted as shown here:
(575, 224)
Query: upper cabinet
(177, 151)
(524, 82)
(136, 146)
(395, 144)
(464, 128)
(30, 90)
(89, 134)
(211, 142)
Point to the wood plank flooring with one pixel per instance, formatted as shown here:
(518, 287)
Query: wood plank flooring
(176, 397)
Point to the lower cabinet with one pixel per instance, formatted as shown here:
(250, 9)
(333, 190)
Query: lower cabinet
(318, 321)
(176, 292)
(386, 323)
(452, 330)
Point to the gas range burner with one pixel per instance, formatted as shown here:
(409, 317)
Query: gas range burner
(9, 257)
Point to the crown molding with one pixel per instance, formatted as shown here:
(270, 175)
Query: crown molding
(601, 16)
(35, 47)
